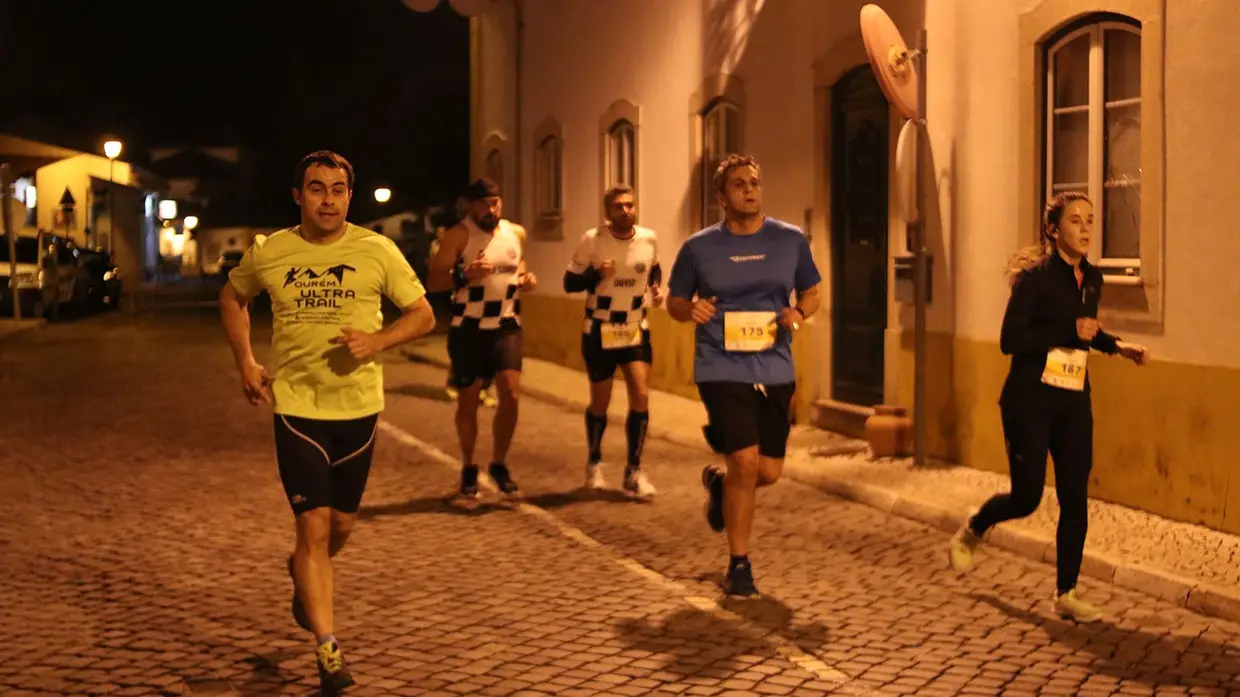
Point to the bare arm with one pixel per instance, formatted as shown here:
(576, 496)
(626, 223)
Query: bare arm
(528, 281)
(808, 301)
(681, 309)
(520, 230)
(439, 275)
(417, 320)
(235, 315)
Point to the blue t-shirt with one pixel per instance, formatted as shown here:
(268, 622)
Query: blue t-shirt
(747, 273)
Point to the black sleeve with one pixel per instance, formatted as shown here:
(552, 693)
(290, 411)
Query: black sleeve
(1104, 342)
(1019, 335)
(577, 282)
(656, 275)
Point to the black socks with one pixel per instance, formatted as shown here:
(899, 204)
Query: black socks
(635, 431)
(595, 425)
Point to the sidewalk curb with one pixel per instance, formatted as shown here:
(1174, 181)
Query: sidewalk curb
(1197, 596)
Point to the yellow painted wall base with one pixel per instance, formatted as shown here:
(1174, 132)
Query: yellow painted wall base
(553, 333)
(1164, 434)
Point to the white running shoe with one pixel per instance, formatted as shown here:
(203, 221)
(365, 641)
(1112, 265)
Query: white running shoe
(638, 485)
(594, 476)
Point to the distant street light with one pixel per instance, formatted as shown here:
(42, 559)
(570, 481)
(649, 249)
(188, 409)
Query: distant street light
(465, 8)
(112, 149)
(190, 222)
(383, 195)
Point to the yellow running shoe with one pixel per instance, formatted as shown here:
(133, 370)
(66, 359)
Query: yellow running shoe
(963, 544)
(1071, 606)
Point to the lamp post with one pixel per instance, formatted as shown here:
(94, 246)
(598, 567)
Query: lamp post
(112, 149)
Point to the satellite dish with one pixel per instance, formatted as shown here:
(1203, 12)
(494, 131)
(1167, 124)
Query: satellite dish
(470, 8)
(421, 5)
(906, 172)
(891, 59)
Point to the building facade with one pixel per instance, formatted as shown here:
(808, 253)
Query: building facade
(1118, 98)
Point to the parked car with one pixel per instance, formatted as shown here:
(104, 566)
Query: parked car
(45, 274)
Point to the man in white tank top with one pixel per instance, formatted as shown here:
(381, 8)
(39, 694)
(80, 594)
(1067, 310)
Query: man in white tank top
(482, 261)
(617, 265)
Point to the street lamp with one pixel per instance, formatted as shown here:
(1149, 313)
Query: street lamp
(112, 149)
(190, 222)
(465, 8)
(383, 194)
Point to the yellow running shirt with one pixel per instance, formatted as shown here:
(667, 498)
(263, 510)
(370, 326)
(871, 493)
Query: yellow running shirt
(316, 289)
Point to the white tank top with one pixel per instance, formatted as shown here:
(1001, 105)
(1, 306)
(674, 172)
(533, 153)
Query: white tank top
(491, 301)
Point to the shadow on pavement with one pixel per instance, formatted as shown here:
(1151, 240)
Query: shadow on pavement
(449, 504)
(556, 500)
(268, 678)
(1152, 659)
(697, 643)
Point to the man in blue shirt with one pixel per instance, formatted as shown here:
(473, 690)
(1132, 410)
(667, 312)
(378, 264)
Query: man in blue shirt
(734, 280)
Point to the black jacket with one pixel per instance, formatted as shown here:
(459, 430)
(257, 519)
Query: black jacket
(1041, 315)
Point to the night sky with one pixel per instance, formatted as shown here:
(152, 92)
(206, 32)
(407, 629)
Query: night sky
(383, 85)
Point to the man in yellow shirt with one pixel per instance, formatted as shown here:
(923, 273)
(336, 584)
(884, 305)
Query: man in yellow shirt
(326, 278)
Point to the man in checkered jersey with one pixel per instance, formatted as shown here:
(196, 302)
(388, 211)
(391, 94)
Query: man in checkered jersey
(482, 260)
(618, 267)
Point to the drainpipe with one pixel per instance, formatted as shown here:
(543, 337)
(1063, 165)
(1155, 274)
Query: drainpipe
(519, 53)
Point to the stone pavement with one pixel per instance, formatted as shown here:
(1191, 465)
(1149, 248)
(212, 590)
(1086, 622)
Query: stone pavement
(1187, 564)
(10, 327)
(142, 533)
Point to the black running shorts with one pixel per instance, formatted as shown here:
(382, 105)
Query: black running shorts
(601, 363)
(742, 416)
(324, 463)
(478, 354)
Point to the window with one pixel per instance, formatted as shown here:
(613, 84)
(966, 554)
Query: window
(622, 154)
(1093, 134)
(549, 184)
(495, 167)
(720, 137)
(619, 144)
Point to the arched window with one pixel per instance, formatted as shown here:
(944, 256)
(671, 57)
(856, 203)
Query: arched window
(721, 131)
(550, 177)
(1092, 139)
(622, 154)
(495, 167)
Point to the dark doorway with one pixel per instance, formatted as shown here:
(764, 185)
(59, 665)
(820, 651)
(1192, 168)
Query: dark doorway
(858, 237)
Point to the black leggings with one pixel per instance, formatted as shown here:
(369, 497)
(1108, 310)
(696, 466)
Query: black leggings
(1068, 434)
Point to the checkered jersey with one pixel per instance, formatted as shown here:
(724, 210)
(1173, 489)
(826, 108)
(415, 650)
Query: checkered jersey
(623, 298)
(490, 302)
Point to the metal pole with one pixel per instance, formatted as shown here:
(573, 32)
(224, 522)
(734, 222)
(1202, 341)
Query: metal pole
(5, 204)
(516, 127)
(111, 205)
(919, 269)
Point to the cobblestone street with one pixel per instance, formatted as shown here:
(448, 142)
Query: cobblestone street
(143, 533)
